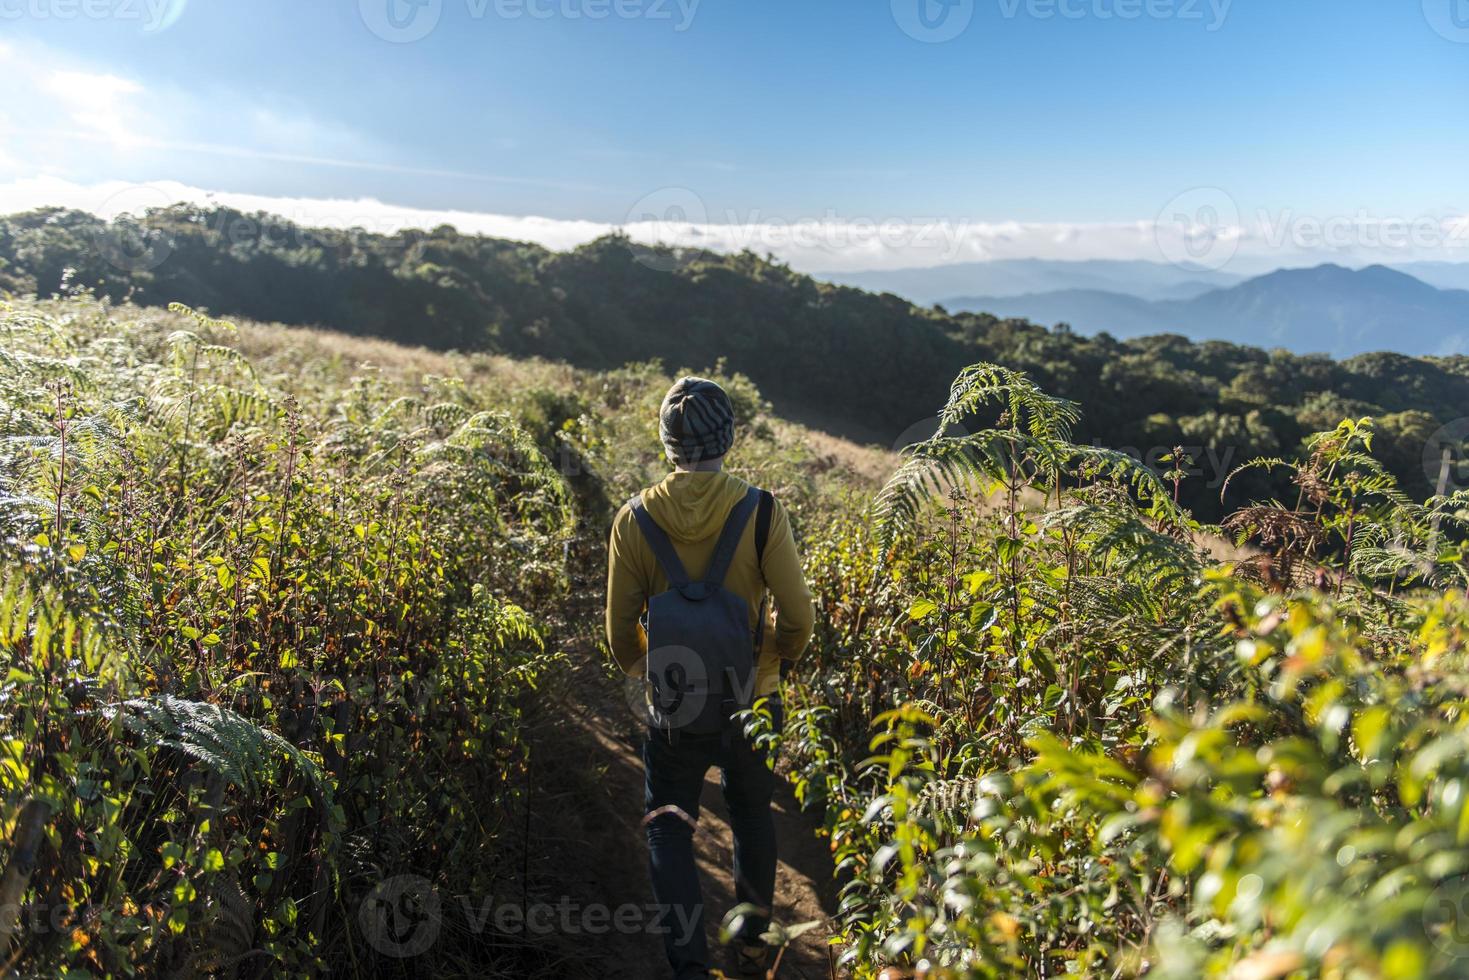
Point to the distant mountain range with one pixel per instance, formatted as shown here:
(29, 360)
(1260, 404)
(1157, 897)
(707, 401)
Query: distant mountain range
(1328, 309)
(1414, 308)
(1018, 277)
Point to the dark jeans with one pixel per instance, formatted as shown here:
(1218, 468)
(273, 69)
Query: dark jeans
(674, 772)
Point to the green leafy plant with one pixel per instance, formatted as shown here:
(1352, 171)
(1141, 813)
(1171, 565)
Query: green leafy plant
(1102, 750)
(264, 647)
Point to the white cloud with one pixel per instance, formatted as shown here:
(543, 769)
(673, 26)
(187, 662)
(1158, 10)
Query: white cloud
(829, 245)
(98, 104)
(111, 198)
(89, 88)
(57, 114)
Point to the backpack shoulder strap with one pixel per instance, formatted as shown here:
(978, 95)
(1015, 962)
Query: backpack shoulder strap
(762, 537)
(657, 539)
(729, 538)
(762, 525)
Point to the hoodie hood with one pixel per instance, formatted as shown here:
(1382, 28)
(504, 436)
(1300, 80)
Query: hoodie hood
(693, 506)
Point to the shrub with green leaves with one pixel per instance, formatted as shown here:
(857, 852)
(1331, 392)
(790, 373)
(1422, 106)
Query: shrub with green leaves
(1101, 750)
(261, 653)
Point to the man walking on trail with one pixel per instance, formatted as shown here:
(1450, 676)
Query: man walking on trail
(688, 567)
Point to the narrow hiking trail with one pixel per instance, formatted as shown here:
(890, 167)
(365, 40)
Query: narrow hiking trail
(586, 837)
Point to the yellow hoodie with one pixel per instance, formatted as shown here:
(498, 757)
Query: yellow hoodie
(692, 508)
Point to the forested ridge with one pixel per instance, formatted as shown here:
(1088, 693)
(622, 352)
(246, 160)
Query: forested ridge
(864, 365)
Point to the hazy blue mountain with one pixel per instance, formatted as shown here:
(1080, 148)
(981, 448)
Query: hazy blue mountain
(1327, 309)
(1444, 275)
(1119, 314)
(1017, 277)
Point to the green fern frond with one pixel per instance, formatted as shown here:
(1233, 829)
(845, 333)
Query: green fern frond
(204, 321)
(400, 405)
(1258, 463)
(225, 742)
(1031, 410)
(1129, 472)
(445, 414)
(1033, 448)
(228, 355)
(931, 469)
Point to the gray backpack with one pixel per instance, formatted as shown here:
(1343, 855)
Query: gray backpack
(701, 653)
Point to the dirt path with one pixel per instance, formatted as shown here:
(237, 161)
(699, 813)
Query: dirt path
(589, 849)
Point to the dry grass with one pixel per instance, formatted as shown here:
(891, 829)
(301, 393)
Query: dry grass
(280, 352)
(870, 465)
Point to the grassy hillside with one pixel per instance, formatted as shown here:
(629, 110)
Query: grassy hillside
(850, 362)
(278, 611)
(284, 611)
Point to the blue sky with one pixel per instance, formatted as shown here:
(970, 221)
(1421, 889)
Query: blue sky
(1052, 112)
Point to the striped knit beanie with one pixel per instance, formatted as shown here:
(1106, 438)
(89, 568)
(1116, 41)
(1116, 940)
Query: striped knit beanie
(696, 421)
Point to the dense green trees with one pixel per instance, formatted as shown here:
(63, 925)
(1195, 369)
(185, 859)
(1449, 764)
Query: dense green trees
(859, 364)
